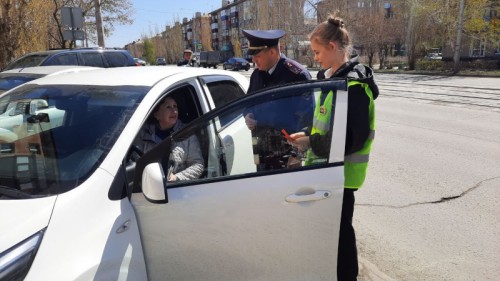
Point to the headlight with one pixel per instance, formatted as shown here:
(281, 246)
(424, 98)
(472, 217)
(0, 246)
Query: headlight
(16, 261)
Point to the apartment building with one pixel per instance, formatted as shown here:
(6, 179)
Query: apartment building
(224, 25)
(196, 33)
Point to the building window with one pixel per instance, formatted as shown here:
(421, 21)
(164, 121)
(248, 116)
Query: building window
(477, 48)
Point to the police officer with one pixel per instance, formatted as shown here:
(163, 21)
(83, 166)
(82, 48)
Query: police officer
(272, 69)
(186, 58)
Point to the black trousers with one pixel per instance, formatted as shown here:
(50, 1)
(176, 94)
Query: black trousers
(347, 259)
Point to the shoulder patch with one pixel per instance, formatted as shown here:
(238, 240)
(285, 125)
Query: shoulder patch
(293, 67)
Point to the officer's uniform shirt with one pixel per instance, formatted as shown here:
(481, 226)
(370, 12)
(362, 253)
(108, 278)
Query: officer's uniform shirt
(285, 71)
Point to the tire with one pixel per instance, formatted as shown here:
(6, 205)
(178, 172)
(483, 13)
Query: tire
(224, 67)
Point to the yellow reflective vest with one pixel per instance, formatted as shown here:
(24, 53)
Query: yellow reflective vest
(355, 164)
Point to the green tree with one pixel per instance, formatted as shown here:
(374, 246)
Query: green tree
(149, 51)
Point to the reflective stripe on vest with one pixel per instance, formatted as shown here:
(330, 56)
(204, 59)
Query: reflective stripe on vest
(321, 125)
(356, 164)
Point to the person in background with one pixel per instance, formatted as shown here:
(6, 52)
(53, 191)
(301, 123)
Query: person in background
(331, 45)
(271, 69)
(186, 61)
(186, 161)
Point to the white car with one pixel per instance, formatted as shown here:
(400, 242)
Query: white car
(79, 209)
(14, 113)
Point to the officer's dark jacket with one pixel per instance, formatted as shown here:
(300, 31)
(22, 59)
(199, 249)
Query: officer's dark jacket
(358, 122)
(286, 71)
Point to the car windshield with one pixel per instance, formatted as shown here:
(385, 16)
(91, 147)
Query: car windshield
(53, 137)
(8, 82)
(241, 60)
(28, 61)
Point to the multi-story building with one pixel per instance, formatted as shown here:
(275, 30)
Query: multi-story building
(344, 8)
(228, 21)
(196, 33)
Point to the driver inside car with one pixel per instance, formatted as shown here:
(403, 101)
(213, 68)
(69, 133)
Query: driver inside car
(186, 160)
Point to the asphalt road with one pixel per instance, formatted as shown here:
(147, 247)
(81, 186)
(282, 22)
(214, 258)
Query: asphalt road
(429, 209)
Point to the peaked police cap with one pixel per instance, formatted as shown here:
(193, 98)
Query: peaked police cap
(259, 40)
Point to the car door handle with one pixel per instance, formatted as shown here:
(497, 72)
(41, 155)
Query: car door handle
(315, 196)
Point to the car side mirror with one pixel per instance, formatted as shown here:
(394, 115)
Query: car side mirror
(36, 105)
(154, 184)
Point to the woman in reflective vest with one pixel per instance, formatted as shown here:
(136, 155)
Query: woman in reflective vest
(331, 45)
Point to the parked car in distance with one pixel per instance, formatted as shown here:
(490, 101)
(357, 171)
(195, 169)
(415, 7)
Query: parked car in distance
(139, 61)
(236, 64)
(97, 57)
(15, 77)
(434, 56)
(161, 61)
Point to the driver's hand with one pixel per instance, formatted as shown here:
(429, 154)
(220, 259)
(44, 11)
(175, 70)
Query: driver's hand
(172, 177)
(250, 121)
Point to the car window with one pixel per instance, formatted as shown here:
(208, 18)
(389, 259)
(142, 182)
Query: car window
(116, 59)
(8, 82)
(27, 61)
(93, 59)
(224, 92)
(234, 150)
(61, 133)
(63, 59)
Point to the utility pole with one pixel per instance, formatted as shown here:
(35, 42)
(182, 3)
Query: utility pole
(460, 25)
(98, 23)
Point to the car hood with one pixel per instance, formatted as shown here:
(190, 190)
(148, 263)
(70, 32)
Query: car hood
(22, 218)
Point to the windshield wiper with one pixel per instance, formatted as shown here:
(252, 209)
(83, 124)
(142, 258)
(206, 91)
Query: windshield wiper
(13, 193)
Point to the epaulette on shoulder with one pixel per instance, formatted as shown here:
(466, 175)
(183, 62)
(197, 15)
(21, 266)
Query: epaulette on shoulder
(293, 66)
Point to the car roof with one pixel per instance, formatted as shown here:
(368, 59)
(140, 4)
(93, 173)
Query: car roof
(132, 76)
(49, 69)
(55, 51)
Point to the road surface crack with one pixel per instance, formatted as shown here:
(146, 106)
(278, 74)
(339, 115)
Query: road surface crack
(442, 200)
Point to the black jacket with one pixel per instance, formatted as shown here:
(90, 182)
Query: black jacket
(185, 62)
(286, 71)
(358, 122)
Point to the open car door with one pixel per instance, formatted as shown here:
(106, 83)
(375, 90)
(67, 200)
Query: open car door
(257, 212)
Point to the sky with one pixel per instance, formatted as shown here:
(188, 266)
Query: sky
(151, 16)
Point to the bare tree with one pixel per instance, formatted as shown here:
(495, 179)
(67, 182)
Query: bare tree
(113, 12)
(22, 28)
(174, 42)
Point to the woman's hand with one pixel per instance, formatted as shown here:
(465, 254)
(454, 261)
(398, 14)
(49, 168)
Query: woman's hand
(298, 135)
(301, 141)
